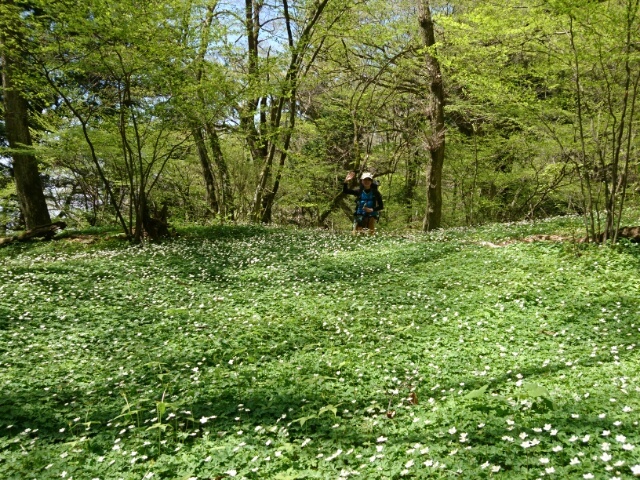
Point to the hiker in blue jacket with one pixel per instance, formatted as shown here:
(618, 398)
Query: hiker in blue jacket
(368, 202)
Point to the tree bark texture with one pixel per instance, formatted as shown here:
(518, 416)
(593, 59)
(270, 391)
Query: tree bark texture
(225, 203)
(207, 172)
(43, 231)
(436, 141)
(16, 111)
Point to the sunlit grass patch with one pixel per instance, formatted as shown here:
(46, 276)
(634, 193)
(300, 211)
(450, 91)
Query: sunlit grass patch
(279, 353)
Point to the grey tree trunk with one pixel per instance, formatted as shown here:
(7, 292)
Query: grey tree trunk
(433, 215)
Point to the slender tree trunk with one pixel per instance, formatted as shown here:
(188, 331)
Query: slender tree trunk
(585, 181)
(411, 182)
(207, 172)
(433, 215)
(474, 184)
(225, 205)
(258, 145)
(222, 202)
(619, 139)
(634, 96)
(33, 204)
(261, 146)
(270, 197)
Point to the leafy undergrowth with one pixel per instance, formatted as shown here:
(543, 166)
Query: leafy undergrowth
(272, 353)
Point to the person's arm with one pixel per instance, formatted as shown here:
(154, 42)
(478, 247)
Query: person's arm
(379, 205)
(345, 186)
(346, 190)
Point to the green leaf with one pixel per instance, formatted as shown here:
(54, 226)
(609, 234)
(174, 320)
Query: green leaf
(303, 420)
(288, 475)
(329, 408)
(127, 413)
(536, 391)
(477, 393)
(161, 426)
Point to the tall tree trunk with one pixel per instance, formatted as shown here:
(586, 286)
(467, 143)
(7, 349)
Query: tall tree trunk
(25, 166)
(270, 197)
(585, 181)
(411, 182)
(225, 205)
(223, 201)
(207, 172)
(619, 136)
(433, 215)
(256, 141)
(261, 146)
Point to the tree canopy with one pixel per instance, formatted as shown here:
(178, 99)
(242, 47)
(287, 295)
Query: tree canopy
(254, 111)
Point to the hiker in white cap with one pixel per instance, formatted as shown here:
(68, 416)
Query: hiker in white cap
(368, 202)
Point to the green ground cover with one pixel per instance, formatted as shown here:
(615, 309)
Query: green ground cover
(272, 353)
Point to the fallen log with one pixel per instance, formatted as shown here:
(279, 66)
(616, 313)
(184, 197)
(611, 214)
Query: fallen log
(630, 233)
(44, 231)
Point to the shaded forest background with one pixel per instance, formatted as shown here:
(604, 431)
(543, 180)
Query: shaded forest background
(220, 111)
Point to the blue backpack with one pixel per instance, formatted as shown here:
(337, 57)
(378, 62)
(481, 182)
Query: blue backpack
(366, 200)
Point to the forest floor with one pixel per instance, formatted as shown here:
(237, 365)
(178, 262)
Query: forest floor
(274, 353)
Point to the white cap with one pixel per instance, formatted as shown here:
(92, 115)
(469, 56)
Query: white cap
(366, 175)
